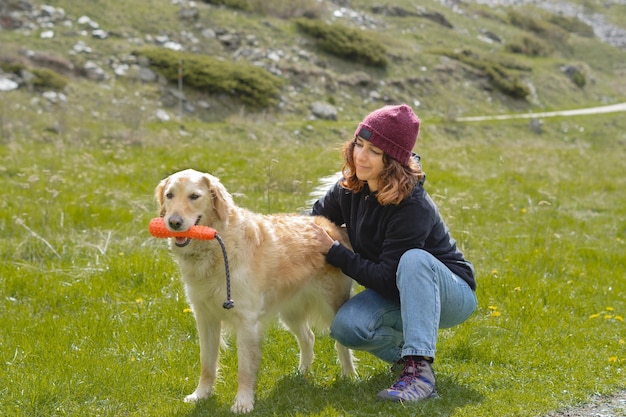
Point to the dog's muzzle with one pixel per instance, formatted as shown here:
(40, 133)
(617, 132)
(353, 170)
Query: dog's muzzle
(176, 223)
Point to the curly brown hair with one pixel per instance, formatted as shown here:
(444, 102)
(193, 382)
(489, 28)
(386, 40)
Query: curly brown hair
(396, 181)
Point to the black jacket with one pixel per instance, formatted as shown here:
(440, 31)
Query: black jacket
(381, 234)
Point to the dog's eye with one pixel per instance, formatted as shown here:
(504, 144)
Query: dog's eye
(169, 196)
(194, 196)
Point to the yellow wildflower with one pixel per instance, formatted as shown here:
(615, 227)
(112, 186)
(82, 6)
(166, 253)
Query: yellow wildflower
(594, 316)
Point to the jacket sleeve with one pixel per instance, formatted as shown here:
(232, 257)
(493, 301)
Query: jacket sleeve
(377, 276)
(328, 206)
(406, 231)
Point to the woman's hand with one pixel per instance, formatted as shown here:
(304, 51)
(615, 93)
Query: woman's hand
(323, 238)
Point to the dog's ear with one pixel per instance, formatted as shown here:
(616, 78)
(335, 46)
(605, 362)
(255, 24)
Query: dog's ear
(222, 200)
(158, 194)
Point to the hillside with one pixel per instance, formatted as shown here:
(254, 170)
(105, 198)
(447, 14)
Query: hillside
(446, 58)
(94, 320)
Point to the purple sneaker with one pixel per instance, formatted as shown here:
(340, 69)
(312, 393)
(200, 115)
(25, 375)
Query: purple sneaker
(416, 382)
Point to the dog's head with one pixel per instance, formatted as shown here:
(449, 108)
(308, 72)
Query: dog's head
(187, 198)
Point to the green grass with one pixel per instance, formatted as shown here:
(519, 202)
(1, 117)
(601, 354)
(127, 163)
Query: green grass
(93, 320)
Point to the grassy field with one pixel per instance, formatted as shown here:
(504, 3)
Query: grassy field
(92, 316)
(93, 320)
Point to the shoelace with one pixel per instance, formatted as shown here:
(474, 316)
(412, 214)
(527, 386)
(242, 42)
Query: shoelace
(410, 372)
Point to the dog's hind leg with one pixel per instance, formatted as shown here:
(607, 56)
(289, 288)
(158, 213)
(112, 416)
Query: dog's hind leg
(297, 323)
(347, 361)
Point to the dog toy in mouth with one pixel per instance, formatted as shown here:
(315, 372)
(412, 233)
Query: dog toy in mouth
(158, 228)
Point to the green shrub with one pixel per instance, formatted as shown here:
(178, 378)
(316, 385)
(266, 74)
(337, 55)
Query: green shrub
(289, 9)
(579, 79)
(577, 76)
(233, 4)
(529, 45)
(43, 78)
(573, 25)
(11, 67)
(544, 29)
(47, 79)
(277, 8)
(250, 84)
(506, 83)
(349, 44)
(499, 73)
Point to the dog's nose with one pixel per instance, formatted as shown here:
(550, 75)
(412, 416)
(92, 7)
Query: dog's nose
(175, 222)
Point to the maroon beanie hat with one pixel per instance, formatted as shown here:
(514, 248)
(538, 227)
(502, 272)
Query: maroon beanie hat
(393, 129)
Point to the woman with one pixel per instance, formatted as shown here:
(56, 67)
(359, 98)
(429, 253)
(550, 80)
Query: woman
(416, 280)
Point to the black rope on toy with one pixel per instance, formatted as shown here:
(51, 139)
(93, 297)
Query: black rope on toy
(229, 303)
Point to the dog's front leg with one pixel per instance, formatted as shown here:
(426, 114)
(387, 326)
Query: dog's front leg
(210, 338)
(249, 335)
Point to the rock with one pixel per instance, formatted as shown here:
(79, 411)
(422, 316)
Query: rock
(435, 17)
(94, 72)
(324, 111)
(81, 47)
(189, 13)
(535, 125)
(147, 75)
(490, 35)
(162, 115)
(7, 84)
(392, 11)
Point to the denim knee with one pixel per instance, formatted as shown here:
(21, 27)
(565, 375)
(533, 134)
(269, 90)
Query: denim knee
(412, 261)
(343, 331)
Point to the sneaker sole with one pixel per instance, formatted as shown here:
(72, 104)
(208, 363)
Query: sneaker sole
(384, 396)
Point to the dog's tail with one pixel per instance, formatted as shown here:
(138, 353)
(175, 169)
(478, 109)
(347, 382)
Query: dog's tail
(323, 185)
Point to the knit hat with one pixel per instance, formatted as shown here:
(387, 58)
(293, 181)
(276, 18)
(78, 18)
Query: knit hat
(393, 129)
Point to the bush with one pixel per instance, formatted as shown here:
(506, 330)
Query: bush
(499, 74)
(233, 4)
(346, 43)
(573, 25)
(579, 79)
(277, 8)
(544, 29)
(250, 84)
(529, 45)
(48, 79)
(575, 74)
(43, 78)
(512, 86)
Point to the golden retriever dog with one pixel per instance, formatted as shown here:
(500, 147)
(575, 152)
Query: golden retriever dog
(275, 268)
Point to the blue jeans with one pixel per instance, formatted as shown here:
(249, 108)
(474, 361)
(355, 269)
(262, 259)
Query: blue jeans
(431, 297)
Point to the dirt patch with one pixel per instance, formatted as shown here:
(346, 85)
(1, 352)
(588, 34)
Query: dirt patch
(599, 406)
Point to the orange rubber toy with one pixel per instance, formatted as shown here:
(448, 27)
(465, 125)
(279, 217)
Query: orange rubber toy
(158, 228)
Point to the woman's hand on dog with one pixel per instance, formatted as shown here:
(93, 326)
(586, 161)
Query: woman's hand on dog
(323, 238)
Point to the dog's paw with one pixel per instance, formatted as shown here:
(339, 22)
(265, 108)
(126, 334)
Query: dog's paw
(197, 396)
(244, 403)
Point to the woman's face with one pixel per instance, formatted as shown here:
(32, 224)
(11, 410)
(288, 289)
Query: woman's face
(368, 160)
